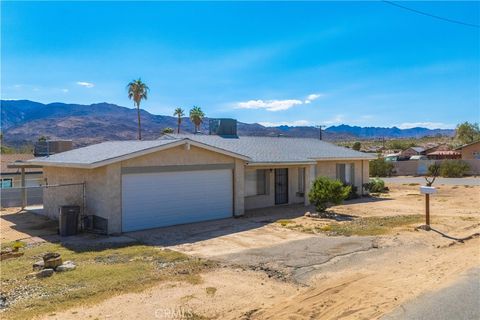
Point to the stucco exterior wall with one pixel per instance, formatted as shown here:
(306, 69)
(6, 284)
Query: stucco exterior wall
(468, 152)
(97, 199)
(268, 200)
(104, 187)
(329, 169)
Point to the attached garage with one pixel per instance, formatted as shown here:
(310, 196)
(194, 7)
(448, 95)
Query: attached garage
(159, 199)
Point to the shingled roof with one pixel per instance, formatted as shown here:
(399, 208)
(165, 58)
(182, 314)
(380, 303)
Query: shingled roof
(251, 149)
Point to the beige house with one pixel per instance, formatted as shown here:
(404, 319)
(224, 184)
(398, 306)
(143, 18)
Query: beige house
(470, 151)
(181, 179)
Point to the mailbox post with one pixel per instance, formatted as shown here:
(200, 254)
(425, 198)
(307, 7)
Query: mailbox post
(427, 191)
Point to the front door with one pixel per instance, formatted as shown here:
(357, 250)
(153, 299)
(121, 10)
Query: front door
(281, 186)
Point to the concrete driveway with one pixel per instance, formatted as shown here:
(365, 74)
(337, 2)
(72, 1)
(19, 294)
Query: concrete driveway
(257, 242)
(468, 181)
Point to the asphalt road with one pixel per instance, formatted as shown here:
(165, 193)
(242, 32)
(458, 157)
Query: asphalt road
(469, 181)
(461, 300)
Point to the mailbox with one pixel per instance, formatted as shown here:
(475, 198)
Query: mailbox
(427, 190)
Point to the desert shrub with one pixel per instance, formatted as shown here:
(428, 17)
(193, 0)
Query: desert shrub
(453, 168)
(380, 168)
(375, 185)
(357, 146)
(326, 192)
(353, 194)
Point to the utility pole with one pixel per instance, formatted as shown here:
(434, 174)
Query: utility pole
(320, 128)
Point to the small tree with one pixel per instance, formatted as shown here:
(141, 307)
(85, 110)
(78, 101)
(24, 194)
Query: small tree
(326, 192)
(381, 168)
(357, 146)
(167, 130)
(467, 132)
(432, 173)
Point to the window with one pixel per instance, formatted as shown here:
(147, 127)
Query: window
(7, 183)
(256, 182)
(476, 155)
(301, 180)
(346, 172)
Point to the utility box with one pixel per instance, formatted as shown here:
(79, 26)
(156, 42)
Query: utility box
(223, 127)
(427, 190)
(68, 220)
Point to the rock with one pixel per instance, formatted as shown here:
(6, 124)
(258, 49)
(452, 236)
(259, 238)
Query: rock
(39, 265)
(66, 266)
(52, 260)
(3, 302)
(45, 273)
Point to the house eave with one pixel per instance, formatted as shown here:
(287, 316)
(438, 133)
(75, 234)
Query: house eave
(132, 155)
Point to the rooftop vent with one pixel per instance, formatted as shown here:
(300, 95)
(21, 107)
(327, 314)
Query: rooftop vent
(223, 127)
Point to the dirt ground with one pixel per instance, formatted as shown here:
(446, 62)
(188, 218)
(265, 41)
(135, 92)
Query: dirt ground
(347, 277)
(19, 225)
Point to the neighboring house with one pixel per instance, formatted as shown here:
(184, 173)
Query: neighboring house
(470, 151)
(444, 155)
(189, 178)
(11, 177)
(412, 151)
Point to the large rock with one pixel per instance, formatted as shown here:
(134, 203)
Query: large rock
(45, 273)
(66, 266)
(52, 260)
(39, 265)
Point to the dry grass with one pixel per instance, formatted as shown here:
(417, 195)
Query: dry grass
(99, 275)
(370, 226)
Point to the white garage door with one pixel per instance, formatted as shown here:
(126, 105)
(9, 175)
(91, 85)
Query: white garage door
(151, 200)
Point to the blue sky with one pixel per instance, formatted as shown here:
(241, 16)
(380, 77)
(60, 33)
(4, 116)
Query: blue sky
(359, 63)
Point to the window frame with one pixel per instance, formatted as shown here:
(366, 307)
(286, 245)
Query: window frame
(6, 179)
(259, 183)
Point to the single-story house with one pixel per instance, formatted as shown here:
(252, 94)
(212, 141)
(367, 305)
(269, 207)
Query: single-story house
(11, 176)
(181, 179)
(470, 151)
(444, 154)
(412, 151)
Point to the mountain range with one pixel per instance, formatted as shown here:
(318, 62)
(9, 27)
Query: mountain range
(24, 121)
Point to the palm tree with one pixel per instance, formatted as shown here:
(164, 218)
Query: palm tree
(179, 113)
(196, 115)
(137, 91)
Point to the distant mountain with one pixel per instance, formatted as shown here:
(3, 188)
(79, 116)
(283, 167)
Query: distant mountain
(394, 132)
(23, 121)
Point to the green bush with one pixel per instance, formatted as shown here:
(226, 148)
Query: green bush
(353, 194)
(375, 185)
(381, 168)
(357, 146)
(453, 169)
(326, 192)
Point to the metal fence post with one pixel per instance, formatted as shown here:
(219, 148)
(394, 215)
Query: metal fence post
(24, 190)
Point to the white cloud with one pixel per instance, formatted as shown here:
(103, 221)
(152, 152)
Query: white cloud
(85, 84)
(429, 125)
(269, 105)
(65, 90)
(296, 123)
(314, 96)
(338, 119)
